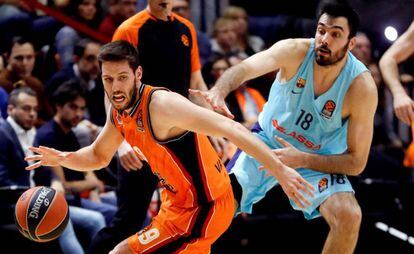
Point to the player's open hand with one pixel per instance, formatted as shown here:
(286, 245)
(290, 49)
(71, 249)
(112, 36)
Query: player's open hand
(289, 155)
(215, 99)
(404, 107)
(293, 185)
(122, 248)
(45, 156)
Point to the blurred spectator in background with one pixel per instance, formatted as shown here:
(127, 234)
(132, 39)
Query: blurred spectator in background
(82, 189)
(118, 12)
(182, 8)
(17, 134)
(224, 37)
(84, 11)
(86, 70)
(246, 43)
(21, 61)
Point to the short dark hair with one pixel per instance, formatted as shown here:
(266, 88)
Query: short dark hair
(340, 8)
(16, 92)
(68, 92)
(80, 46)
(119, 51)
(20, 40)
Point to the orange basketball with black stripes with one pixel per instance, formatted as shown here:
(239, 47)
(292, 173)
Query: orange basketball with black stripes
(41, 214)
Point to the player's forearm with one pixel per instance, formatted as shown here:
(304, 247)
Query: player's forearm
(346, 164)
(84, 159)
(230, 80)
(243, 139)
(389, 70)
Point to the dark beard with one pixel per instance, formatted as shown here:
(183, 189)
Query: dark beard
(322, 61)
(133, 95)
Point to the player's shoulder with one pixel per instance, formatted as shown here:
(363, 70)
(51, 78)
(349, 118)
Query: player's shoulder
(363, 89)
(294, 45)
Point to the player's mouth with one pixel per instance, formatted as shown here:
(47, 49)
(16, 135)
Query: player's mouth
(324, 52)
(118, 98)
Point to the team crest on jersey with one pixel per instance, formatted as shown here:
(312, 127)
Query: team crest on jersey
(185, 40)
(300, 83)
(328, 109)
(140, 124)
(323, 184)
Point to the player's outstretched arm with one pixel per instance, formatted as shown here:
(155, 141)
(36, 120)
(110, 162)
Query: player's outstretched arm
(398, 52)
(282, 55)
(171, 111)
(95, 156)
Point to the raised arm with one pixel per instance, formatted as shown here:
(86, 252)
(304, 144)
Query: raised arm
(284, 55)
(171, 112)
(398, 52)
(95, 156)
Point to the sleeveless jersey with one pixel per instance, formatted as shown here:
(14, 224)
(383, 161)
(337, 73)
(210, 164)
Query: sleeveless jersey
(311, 124)
(187, 166)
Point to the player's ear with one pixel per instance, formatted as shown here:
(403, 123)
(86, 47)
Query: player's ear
(138, 73)
(352, 43)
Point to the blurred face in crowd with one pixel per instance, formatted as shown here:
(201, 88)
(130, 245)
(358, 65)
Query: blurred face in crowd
(160, 8)
(25, 110)
(182, 8)
(225, 34)
(331, 40)
(88, 64)
(125, 8)
(362, 49)
(87, 9)
(121, 83)
(240, 20)
(219, 67)
(22, 59)
(71, 113)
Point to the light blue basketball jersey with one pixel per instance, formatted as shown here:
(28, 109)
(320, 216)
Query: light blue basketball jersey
(311, 124)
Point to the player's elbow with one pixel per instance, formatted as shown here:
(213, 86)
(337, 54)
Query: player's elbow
(357, 168)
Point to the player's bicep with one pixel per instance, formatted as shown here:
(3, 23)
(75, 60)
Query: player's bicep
(361, 119)
(181, 113)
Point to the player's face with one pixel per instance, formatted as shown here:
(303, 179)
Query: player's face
(331, 40)
(121, 83)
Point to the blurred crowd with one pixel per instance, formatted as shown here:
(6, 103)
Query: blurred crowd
(51, 94)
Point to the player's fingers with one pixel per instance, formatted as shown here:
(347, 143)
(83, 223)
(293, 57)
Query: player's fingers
(35, 165)
(34, 149)
(307, 185)
(293, 197)
(134, 162)
(33, 158)
(305, 189)
(125, 163)
(227, 112)
(282, 141)
(302, 198)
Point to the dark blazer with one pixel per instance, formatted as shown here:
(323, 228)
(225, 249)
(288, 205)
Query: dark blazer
(12, 163)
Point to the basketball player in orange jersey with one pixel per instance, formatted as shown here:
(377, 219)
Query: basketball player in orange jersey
(197, 200)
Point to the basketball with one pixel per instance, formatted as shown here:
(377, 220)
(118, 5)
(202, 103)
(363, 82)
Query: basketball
(41, 214)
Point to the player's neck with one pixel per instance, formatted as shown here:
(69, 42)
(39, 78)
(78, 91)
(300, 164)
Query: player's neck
(161, 15)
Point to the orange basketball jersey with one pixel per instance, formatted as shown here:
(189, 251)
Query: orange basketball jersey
(187, 166)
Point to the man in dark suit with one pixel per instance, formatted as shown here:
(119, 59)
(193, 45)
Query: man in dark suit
(86, 70)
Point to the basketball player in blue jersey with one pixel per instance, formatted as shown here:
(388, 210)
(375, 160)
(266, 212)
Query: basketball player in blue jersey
(318, 119)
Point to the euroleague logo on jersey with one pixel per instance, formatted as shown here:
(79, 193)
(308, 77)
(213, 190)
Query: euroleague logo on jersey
(323, 184)
(328, 109)
(185, 40)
